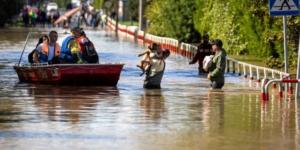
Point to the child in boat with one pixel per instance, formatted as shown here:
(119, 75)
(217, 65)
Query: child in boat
(153, 51)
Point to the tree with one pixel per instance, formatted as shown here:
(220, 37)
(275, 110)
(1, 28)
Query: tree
(173, 18)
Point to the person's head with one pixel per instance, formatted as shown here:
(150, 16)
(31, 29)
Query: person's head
(43, 38)
(82, 33)
(155, 47)
(217, 45)
(166, 53)
(53, 36)
(205, 37)
(76, 31)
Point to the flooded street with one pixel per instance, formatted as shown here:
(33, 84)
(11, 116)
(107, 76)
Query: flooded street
(184, 114)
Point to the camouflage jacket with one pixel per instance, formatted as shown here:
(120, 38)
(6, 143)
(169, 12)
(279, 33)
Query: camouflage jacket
(217, 68)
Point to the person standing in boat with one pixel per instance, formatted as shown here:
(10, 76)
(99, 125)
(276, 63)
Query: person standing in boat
(48, 52)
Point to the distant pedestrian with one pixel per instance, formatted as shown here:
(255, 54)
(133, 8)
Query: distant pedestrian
(217, 69)
(204, 49)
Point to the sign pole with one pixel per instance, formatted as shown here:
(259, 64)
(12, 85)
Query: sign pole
(298, 71)
(286, 57)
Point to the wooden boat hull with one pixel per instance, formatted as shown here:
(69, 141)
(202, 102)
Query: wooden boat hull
(71, 74)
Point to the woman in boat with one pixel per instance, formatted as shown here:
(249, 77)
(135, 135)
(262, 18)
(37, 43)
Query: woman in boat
(33, 55)
(48, 52)
(155, 72)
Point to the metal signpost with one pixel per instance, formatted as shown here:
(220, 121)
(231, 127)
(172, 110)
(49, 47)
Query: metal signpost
(285, 8)
(298, 72)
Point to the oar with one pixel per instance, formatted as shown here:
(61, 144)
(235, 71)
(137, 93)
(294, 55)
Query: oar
(28, 35)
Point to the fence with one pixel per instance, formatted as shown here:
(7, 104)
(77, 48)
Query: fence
(188, 50)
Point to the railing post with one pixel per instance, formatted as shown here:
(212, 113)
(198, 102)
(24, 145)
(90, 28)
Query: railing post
(251, 73)
(264, 90)
(228, 65)
(257, 74)
(265, 73)
(244, 68)
(239, 69)
(233, 67)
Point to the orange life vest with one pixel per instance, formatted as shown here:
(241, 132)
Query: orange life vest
(45, 49)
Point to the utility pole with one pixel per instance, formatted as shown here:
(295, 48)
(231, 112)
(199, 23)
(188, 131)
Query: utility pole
(117, 16)
(142, 19)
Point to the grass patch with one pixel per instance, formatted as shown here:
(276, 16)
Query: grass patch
(129, 23)
(250, 59)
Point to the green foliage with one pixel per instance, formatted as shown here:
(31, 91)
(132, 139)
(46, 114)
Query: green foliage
(98, 4)
(275, 63)
(173, 18)
(246, 27)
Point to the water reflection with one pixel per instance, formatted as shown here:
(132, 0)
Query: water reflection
(70, 104)
(153, 103)
(215, 107)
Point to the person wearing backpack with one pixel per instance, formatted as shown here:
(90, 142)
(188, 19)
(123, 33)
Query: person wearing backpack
(77, 48)
(88, 53)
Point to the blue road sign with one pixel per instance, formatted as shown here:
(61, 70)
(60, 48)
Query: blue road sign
(284, 7)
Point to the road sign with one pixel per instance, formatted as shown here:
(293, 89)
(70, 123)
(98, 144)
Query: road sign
(284, 7)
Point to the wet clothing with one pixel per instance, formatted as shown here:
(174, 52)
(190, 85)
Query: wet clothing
(217, 69)
(154, 74)
(204, 49)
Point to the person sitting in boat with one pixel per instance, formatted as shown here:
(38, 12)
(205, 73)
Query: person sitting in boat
(33, 55)
(49, 51)
(88, 53)
(68, 46)
(77, 48)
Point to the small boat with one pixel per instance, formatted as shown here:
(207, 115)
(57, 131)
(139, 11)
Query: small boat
(70, 74)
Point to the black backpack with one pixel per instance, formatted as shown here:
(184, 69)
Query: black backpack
(89, 53)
